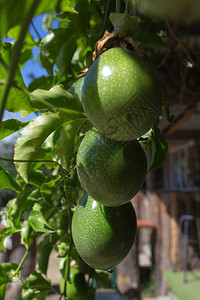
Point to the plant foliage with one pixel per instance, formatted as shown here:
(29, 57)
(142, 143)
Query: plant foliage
(46, 187)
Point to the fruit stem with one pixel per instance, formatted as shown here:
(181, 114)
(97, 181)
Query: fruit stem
(118, 6)
(105, 18)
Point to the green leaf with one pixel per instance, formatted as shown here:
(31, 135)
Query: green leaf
(24, 57)
(44, 249)
(81, 20)
(42, 155)
(7, 267)
(7, 181)
(2, 290)
(29, 43)
(159, 149)
(49, 190)
(36, 178)
(68, 6)
(46, 6)
(38, 222)
(14, 32)
(44, 82)
(5, 232)
(124, 24)
(56, 97)
(16, 207)
(32, 137)
(10, 17)
(35, 284)
(50, 48)
(37, 280)
(47, 21)
(27, 294)
(67, 50)
(146, 139)
(18, 98)
(102, 278)
(27, 234)
(4, 278)
(11, 126)
(65, 144)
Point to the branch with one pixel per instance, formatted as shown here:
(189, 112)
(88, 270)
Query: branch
(179, 42)
(118, 6)
(127, 7)
(16, 56)
(35, 29)
(33, 160)
(21, 263)
(105, 18)
(4, 64)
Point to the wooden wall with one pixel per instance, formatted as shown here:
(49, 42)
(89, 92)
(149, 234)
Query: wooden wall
(167, 208)
(164, 211)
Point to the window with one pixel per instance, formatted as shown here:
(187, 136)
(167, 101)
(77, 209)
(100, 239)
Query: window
(184, 166)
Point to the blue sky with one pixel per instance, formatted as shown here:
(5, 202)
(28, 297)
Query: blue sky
(33, 67)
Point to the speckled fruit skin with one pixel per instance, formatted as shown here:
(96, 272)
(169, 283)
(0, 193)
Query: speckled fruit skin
(121, 95)
(110, 171)
(77, 87)
(103, 235)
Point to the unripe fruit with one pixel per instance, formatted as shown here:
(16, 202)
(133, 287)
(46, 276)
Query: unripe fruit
(110, 171)
(121, 95)
(103, 235)
(77, 87)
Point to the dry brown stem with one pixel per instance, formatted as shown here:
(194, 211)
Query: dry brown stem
(99, 45)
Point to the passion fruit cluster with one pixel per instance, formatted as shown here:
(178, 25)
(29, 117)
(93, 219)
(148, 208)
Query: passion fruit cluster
(121, 97)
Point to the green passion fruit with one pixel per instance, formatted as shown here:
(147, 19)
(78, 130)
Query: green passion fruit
(103, 235)
(121, 95)
(110, 171)
(77, 87)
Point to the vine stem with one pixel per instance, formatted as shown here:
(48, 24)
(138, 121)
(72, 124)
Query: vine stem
(179, 42)
(71, 243)
(127, 7)
(16, 56)
(35, 29)
(20, 266)
(118, 6)
(21, 263)
(34, 160)
(105, 18)
(5, 66)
